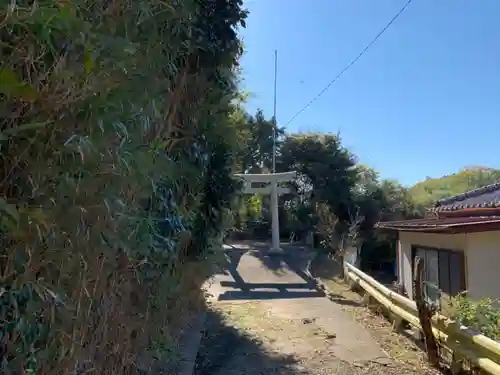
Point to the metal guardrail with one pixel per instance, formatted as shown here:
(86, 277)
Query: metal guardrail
(475, 347)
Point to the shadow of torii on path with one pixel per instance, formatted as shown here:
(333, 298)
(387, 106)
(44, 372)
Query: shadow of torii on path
(286, 269)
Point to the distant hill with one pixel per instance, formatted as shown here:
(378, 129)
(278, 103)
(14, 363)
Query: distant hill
(472, 177)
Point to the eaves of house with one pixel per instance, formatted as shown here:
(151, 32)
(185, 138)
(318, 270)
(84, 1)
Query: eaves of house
(475, 211)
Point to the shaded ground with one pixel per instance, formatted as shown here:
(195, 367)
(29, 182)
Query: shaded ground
(229, 349)
(241, 339)
(265, 317)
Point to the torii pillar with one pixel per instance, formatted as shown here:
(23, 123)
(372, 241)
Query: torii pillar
(274, 190)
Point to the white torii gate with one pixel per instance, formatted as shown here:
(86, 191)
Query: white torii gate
(271, 178)
(274, 190)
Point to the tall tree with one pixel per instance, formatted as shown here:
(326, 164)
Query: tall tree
(258, 154)
(325, 169)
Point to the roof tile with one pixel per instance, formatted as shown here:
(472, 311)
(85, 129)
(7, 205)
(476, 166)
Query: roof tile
(437, 223)
(485, 197)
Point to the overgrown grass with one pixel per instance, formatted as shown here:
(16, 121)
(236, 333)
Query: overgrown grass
(114, 122)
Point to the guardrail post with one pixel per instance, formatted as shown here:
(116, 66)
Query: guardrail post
(397, 323)
(457, 363)
(367, 300)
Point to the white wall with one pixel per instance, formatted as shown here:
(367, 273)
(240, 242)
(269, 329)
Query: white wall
(482, 262)
(482, 258)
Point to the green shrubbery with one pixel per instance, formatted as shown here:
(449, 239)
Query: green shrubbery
(116, 143)
(482, 316)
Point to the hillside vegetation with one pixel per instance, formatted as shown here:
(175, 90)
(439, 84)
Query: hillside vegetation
(432, 189)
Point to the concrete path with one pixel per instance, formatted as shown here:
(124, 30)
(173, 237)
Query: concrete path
(301, 321)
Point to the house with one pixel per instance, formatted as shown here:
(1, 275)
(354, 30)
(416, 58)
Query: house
(459, 242)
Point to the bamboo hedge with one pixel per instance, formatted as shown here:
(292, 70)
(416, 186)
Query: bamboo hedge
(116, 146)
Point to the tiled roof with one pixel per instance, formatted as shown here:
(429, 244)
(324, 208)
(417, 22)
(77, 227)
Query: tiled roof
(485, 197)
(438, 224)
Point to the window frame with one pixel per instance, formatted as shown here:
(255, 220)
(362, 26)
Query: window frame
(463, 267)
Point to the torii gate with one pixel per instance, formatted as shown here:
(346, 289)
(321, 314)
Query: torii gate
(274, 190)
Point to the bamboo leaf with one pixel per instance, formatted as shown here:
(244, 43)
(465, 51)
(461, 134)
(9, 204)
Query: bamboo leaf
(9, 81)
(9, 210)
(13, 86)
(88, 61)
(22, 128)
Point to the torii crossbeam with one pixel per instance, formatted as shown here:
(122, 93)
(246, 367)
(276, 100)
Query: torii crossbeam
(274, 190)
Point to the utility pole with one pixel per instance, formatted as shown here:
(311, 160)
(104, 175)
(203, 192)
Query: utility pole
(274, 108)
(275, 223)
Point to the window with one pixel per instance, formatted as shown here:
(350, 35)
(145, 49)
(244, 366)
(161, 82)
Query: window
(444, 272)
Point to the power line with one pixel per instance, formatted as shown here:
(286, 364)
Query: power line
(351, 63)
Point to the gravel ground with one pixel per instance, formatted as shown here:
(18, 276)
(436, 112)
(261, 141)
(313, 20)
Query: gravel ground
(243, 338)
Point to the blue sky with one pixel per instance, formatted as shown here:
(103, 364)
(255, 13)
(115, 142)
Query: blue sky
(423, 101)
